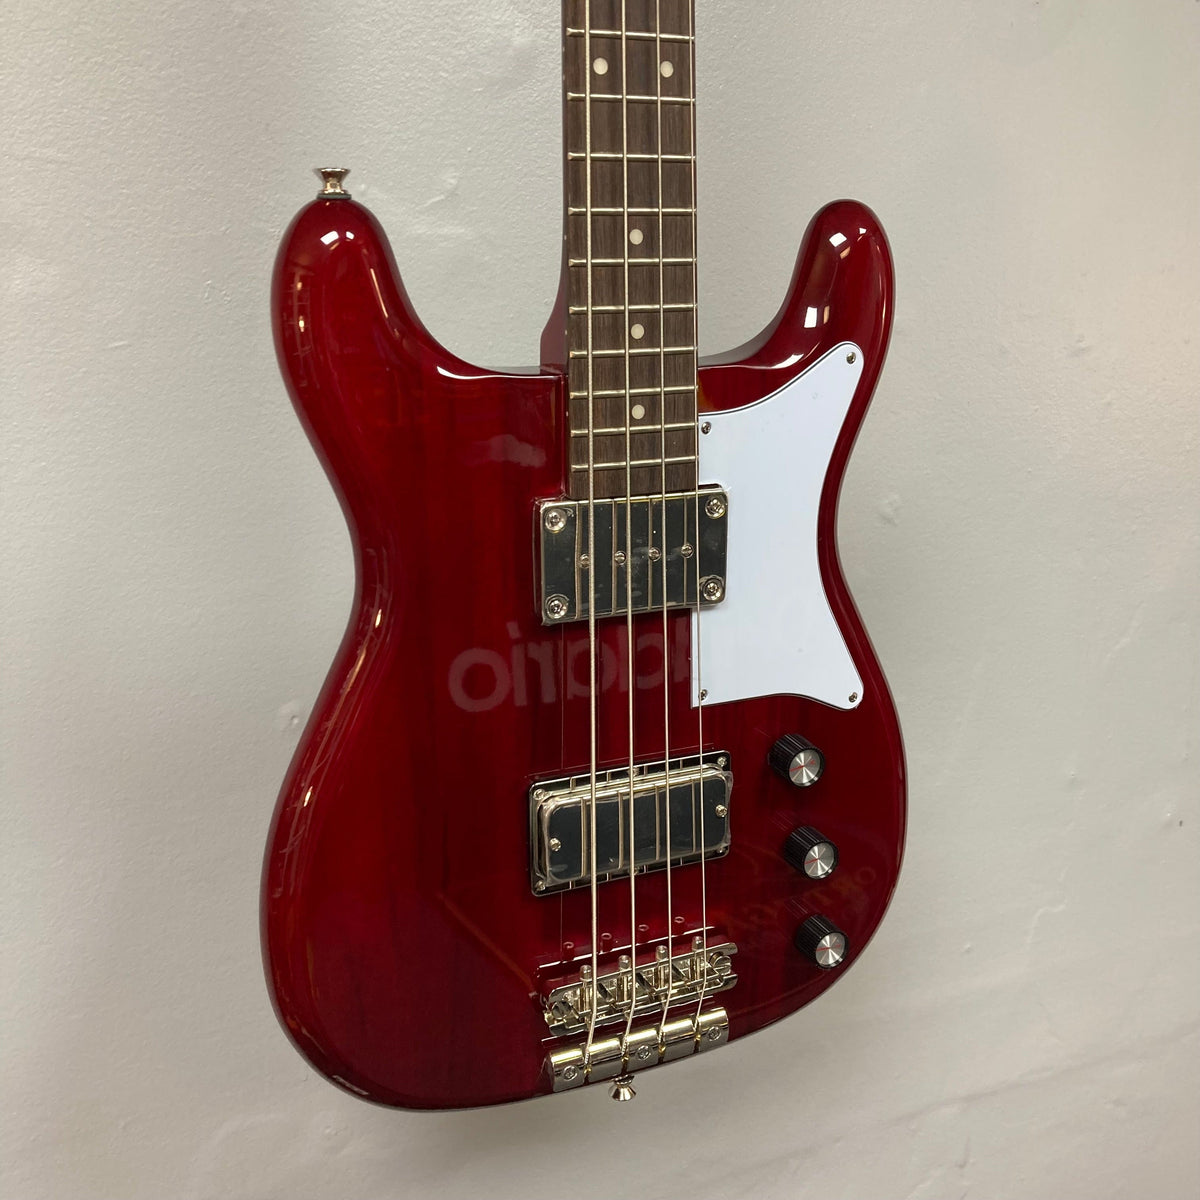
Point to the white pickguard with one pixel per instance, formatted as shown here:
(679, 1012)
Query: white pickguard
(774, 633)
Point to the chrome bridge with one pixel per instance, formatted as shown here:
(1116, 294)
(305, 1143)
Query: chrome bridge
(632, 539)
(616, 1058)
(693, 792)
(650, 987)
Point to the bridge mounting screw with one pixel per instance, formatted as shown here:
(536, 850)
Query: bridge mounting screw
(557, 607)
(622, 1088)
(716, 507)
(713, 588)
(556, 520)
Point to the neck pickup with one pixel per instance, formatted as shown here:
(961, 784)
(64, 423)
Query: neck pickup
(651, 552)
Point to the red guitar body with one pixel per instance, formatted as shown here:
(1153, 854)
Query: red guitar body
(405, 949)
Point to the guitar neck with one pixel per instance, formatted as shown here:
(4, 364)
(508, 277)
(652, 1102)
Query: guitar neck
(628, 72)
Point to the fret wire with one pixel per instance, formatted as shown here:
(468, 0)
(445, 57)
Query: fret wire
(614, 156)
(639, 99)
(636, 350)
(578, 212)
(633, 33)
(637, 462)
(633, 262)
(608, 393)
(615, 308)
(648, 427)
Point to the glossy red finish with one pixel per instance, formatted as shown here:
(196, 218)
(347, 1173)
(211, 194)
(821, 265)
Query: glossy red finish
(404, 948)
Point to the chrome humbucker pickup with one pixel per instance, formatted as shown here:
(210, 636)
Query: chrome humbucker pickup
(690, 794)
(663, 981)
(639, 545)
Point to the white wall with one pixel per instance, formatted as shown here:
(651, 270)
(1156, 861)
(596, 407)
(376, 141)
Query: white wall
(1019, 524)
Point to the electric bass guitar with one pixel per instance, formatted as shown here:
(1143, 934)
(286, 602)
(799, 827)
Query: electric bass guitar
(605, 774)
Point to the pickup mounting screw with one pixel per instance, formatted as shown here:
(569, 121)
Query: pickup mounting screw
(556, 520)
(722, 762)
(619, 558)
(687, 550)
(555, 844)
(557, 607)
(716, 507)
(713, 589)
(584, 562)
(655, 554)
(721, 810)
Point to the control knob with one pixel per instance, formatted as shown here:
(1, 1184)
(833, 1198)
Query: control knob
(810, 853)
(823, 942)
(796, 760)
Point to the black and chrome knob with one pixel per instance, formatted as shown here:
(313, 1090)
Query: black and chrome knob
(796, 760)
(823, 942)
(810, 853)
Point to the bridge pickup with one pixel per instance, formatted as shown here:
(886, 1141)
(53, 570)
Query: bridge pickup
(639, 544)
(696, 799)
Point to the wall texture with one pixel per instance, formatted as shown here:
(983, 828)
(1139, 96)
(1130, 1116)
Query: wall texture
(1021, 524)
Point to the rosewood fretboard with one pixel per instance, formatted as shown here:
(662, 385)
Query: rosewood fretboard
(630, 175)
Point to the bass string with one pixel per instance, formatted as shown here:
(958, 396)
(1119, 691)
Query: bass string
(662, 376)
(591, 573)
(701, 695)
(629, 640)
